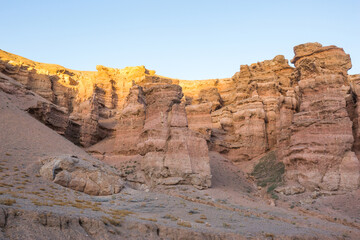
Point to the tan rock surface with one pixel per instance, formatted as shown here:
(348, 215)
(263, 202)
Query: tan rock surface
(321, 132)
(246, 126)
(131, 116)
(80, 175)
(153, 124)
(87, 97)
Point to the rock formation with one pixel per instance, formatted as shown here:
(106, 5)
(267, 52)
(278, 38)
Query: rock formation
(246, 126)
(172, 151)
(153, 130)
(80, 175)
(158, 130)
(320, 153)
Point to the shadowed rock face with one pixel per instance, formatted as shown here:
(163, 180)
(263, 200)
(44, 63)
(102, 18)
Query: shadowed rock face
(247, 126)
(172, 153)
(153, 129)
(308, 115)
(321, 142)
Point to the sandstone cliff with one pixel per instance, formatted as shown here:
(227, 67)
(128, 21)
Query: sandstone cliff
(320, 151)
(159, 129)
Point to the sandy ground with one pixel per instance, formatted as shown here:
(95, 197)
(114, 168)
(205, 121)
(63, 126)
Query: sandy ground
(233, 205)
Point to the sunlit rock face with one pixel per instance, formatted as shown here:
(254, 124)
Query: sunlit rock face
(90, 99)
(159, 129)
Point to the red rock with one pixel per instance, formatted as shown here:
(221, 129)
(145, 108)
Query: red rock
(247, 124)
(153, 124)
(321, 132)
(169, 148)
(163, 126)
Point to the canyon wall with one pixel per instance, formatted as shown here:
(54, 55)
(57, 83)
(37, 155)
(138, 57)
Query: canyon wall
(320, 151)
(160, 129)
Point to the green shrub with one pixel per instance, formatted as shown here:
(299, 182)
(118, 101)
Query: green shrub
(269, 173)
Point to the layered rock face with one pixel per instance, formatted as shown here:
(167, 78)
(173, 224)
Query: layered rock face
(148, 123)
(172, 152)
(320, 148)
(246, 126)
(88, 101)
(158, 130)
(153, 130)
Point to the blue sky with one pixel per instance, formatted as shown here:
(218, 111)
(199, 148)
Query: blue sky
(181, 39)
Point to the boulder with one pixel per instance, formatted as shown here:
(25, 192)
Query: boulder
(81, 175)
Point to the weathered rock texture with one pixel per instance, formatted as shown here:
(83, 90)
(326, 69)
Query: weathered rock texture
(87, 99)
(81, 175)
(153, 129)
(172, 151)
(156, 128)
(246, 126)
(320, 153)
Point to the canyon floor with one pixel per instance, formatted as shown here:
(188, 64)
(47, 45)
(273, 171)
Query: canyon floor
(232, 208)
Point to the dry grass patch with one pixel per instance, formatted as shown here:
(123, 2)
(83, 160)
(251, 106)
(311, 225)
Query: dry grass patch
(114, 222)
(6, 185)
(269, 235)
(35, 193)
(149, 219)
(38, 203)
(171, 217)
(226, 225)
(119, 213)
(80, 204)
(184, 223)
(203, 217)
(84, 205)
(7, 202)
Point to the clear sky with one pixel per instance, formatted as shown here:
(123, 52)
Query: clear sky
(182, 39)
